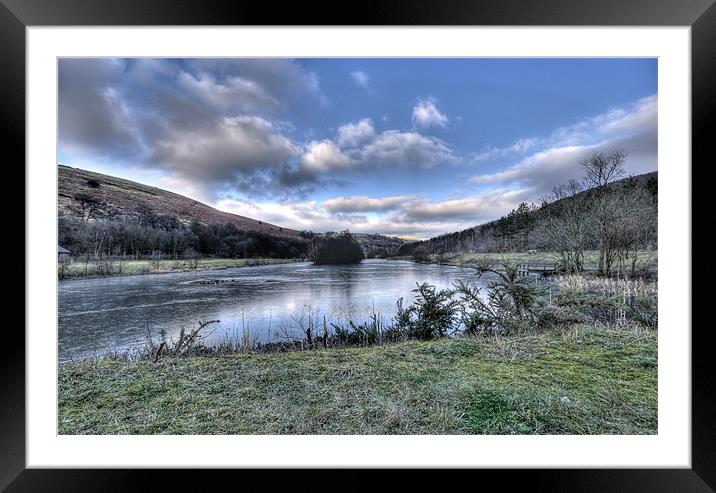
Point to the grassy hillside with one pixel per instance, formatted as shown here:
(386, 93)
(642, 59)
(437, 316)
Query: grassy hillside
(585, 381)
(81, 193)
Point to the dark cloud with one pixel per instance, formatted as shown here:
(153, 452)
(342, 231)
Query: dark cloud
(213, 122)
(215, 125)
(93, 116)
(232, 147)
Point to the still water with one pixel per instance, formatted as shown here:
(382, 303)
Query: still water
(267, 302)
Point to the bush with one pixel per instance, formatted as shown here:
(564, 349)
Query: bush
(553, 317)
(402, 320)
(188, 343)
(645, 311)
(510, 305)
(597, 307)
(435, 312)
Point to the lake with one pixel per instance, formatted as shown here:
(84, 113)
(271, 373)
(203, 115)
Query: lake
(119, 313)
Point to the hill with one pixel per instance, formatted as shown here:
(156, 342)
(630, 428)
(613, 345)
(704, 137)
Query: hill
(104, 216)
(88, 195)
(495, 236)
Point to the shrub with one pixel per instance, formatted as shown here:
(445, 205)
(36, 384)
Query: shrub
(188, 343)
(402, 320)
(597, 307)
(510, 305)
(435, 312)
(553, 317)
(645, 311)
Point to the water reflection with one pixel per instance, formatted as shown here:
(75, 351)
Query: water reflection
(97, 315)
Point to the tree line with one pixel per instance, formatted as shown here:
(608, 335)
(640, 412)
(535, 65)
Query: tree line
(159, 235)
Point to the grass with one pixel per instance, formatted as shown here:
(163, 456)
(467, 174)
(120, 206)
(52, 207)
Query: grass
(591, 258)
(586, 381)
(79, 269)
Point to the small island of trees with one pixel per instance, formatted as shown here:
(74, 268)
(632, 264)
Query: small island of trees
(336, 248)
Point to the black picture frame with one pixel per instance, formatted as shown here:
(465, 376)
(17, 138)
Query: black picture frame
(16, 15)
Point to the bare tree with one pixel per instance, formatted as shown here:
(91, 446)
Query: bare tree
(604, 205)
(634, 226)
(602, 168)
(564, 229)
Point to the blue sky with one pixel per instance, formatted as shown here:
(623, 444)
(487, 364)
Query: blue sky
(409, 147)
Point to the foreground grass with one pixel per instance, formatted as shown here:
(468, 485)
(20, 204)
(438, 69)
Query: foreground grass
(590, 381)
(81, 269)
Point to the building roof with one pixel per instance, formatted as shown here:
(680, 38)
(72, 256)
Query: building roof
(62, 250)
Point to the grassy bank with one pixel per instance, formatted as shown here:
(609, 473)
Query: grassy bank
(81, 269)
(645, 259)
(585, 381)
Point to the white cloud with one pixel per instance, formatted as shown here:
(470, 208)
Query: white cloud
(426, 114)
(620, 122)
(470, 210)
(358, 147)
(360, 78)
(390, 215)
(324, 156)
(518, 147)
(353, 134)
(408, 149)
(632, 128)
(365, 204)
(233, 92)
(554, 159)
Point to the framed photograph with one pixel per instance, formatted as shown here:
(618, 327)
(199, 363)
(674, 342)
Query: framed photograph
(423, 237)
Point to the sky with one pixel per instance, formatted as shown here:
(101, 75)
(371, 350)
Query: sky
(406, 147)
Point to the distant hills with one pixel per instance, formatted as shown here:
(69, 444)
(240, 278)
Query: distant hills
(90, 200)
(86, 194)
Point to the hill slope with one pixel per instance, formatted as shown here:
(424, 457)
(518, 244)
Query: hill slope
(90, 195)
(482, 237)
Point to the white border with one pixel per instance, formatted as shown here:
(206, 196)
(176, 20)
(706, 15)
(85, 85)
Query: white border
(670, 448)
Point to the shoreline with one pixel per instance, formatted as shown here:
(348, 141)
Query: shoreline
(144, 267)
